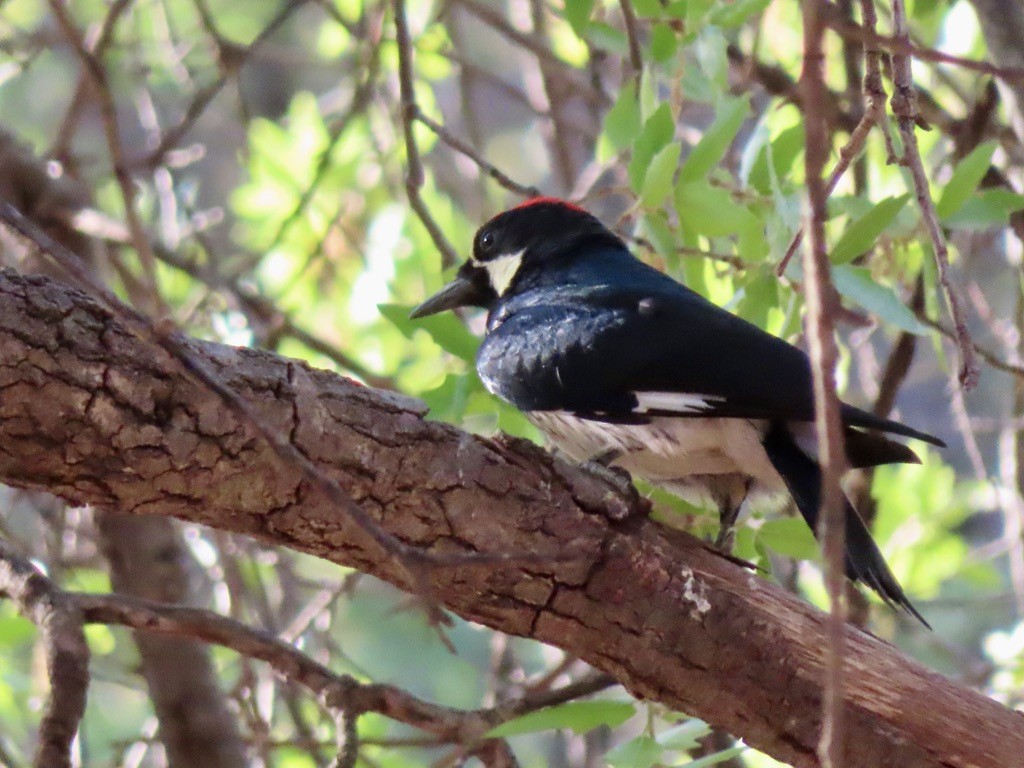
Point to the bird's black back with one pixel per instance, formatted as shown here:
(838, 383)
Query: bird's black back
(587, 332)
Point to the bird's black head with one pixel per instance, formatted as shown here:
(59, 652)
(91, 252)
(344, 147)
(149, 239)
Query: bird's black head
(511, 247)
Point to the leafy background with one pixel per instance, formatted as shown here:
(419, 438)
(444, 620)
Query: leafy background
(268, 162)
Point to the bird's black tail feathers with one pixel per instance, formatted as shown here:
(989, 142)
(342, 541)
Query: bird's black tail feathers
(864, 561)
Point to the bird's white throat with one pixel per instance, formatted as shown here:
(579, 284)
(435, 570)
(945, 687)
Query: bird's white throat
(501, 270)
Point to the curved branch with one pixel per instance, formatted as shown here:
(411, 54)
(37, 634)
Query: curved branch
(90, 412)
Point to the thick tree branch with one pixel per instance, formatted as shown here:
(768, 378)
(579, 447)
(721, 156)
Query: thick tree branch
(91, 412)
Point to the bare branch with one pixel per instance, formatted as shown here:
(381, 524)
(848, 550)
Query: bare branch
(900, 45)
(824, 354)
(874, 92)
(414, 177)
(108, 108)
(636, 58)
(903, 106)
(67, 653)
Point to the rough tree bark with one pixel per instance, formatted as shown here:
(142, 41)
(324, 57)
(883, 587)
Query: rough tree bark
(93, 414)
(147, 555)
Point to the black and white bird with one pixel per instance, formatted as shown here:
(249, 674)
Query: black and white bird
(616, 361)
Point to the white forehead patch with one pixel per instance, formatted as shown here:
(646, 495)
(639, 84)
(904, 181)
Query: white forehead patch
(502, 269)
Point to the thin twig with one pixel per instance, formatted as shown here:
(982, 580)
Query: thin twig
(984, 353)
(824, 355)
(337, 691)
(874, 92)
(361, 97)
(492, 17)
(555, 92)
(903, 106)
(414, 176)
(108, 111)
(231, 60)
(636, 59)
(900, 45)
(488, 168)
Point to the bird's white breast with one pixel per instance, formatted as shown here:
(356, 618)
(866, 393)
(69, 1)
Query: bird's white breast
(681, 453)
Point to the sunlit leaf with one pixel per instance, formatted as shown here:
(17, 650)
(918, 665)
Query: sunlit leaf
(734, 14)
(686, 735)
(862, 233)
(789, 536)
(444, 328)
(857, 284)
(622, 123)
(658, 179)
(988, 208)
(641, 752)
(710, 211)
(580, 716)
(657, 132)
(716, 140)
(664, 42)
(577, 13)
(965, 180)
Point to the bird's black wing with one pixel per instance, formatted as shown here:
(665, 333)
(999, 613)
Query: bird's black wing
(622, 353)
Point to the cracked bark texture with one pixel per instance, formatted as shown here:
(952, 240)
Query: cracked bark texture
(147, 555)
(95, 415)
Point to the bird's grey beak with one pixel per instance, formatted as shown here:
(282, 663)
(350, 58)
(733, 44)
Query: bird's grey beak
(460, 292)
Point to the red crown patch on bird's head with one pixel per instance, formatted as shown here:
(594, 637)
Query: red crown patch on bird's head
(545, 200)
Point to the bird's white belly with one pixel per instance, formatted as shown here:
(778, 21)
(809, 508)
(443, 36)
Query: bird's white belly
(675, 452)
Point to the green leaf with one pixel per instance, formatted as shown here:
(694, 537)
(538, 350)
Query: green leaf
(580, 716)
(732, 15)
(760, 295)
(686, 735)
(577, 13)
(647, 8)
(657, 132)
(641, 752)
(990, 208)
(658, 179)
(789, 536)
(716, 140)
(713, 59)
(857, 284)
(965, 180)
(664, 42)
(862, 233)
(444, 328)
(603, 35)
(710, 211)
(622, 123)
(654, 226)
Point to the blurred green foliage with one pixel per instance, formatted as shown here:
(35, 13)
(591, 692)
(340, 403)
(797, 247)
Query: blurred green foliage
(291, 188)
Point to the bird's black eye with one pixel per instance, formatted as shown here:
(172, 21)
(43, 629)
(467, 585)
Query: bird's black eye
(487, 240)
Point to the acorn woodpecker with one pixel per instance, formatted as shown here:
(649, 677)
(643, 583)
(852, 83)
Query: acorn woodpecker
(616, 361)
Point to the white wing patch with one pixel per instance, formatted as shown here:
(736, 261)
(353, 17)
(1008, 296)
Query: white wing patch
(502, 269)
(675, 402)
